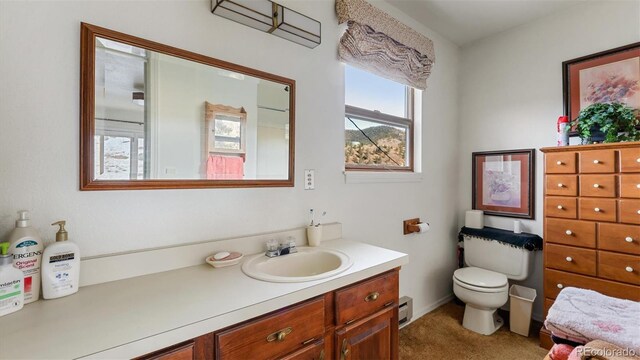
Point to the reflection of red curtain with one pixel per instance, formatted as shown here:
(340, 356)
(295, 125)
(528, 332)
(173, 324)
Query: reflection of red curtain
(225, 167)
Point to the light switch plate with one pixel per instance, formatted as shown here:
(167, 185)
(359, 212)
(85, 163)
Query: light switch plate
(309, 179)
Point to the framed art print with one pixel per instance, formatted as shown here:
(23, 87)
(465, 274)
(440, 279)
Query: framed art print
(504, 183)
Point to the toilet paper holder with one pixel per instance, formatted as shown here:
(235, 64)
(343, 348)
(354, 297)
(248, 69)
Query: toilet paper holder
(411, 226)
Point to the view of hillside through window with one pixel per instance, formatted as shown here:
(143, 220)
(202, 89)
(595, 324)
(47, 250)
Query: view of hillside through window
(377, 126)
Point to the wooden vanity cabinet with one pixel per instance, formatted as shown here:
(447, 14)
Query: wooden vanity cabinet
(358, 321)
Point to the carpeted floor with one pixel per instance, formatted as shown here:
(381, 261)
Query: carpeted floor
(440, 335)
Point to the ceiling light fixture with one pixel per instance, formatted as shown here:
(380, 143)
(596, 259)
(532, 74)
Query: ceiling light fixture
(267, 16)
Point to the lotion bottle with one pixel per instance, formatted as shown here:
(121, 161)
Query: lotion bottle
(26, 247)
(11, 283)
(60, 266)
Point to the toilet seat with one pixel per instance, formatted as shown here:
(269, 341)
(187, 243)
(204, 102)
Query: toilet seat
(481, 280)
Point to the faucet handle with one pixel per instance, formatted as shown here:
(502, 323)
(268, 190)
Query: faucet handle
(272, 248)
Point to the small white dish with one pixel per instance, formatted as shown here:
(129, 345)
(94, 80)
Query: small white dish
(232, 259)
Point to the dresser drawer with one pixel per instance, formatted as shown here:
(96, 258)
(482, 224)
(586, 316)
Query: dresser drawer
(598, 185)
(620, 238)
(547, 305)
(630, 160)
(619, 267)
(570, 258)
(561, 207)
(560, 163)
(629, 211)
(564, 185)
(630, 186)
(570, 232)
(258, 339)
(555, 280)
(597, 161)
(597, 209)
(365, 298)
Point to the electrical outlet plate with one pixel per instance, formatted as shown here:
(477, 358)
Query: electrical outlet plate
(309, 179)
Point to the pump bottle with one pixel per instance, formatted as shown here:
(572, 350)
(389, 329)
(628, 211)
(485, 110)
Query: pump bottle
(26, 247)
(60, 266)
(11, 283)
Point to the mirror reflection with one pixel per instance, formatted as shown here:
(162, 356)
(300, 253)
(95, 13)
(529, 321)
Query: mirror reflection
(159, 116)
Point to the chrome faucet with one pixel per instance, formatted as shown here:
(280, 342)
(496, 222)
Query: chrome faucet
(287, 247)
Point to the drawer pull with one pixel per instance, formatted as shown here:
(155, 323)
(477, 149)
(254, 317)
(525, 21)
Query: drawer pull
(628, 239)
(279, 335)
(569, 232)
(560, 185)
(629, 269)
(321, 357)
(638, 160)
(560, 286)
(638, 186)
(558, 162)
(638, 212)
(596, 185)
(560, 207)
(372, 297)
(596, 161)
(345, 350)
(596, 209)
(569, 259)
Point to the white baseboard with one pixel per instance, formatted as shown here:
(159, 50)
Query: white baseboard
(429, 308)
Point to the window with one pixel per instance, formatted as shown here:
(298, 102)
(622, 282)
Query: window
(227, 133)
(378, 122)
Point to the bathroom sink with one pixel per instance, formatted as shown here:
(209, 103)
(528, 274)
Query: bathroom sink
(309, 263)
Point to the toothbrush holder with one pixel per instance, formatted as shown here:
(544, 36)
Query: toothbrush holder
(314, 235)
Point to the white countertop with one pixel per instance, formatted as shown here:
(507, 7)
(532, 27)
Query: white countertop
(132, 317)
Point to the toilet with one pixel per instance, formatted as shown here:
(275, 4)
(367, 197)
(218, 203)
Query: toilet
(484, 284)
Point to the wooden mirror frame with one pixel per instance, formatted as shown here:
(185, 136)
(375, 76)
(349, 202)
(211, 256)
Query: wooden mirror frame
(88, 34)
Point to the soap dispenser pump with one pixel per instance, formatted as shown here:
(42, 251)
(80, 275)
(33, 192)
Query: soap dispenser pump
(60, 266)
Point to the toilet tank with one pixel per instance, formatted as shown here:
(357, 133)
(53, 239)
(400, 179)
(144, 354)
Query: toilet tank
(511, 261)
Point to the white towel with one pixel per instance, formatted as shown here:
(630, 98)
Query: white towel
(590, 315)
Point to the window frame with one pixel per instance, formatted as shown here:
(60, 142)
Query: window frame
(383, 118)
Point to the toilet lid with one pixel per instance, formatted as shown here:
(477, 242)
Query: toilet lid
(480, 277)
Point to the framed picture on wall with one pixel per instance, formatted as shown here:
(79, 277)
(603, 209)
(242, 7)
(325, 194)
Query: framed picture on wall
(608, 76)
(504, 183)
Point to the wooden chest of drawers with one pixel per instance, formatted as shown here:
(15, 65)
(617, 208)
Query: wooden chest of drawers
(592, 220)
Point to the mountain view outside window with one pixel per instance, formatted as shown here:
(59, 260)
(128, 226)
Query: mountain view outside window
(377, 122)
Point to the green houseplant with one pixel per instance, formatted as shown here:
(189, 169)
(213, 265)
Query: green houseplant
(607, 122)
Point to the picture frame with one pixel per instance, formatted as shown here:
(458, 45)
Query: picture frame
(504, 183)
(607, 76)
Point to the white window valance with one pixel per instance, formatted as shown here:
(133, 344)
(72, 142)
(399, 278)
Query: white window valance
(378, 43)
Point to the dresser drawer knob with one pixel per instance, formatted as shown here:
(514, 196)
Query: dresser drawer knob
(629, 269)
(638, 212)
(558, 162)
(596, 185)
(569, 259)
(596, 161)
(628, 239)
(560, 185)
(560, 286)
(569, 232)
(560, 207)
(638, 160)
(638, 186)
(596, 209)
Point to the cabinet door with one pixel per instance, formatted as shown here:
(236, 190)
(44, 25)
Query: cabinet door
(374, 337)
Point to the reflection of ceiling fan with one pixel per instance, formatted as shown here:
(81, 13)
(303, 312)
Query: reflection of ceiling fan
(138, 98)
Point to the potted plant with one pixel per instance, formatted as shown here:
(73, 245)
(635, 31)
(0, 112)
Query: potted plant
(606, 122)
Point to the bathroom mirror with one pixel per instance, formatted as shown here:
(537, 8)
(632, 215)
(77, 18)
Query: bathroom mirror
(158, 117)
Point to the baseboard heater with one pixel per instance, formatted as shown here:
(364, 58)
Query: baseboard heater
(405, 310)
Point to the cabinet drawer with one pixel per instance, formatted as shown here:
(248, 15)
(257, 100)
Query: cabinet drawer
(598, 185)
(561, 207)
(365, 298)
(619, 267)
(630, 186)
(629, 211)
(597, 161)
(564, 185)
(258, 339)
(560, 163)
(313, 351)
(547, 305)
(630, 160)
(620, 238)
(570, 258)
(176, 352)
(555, 280)
(597, 209)
(571, 232)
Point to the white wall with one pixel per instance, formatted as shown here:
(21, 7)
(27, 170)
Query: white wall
(39, 127)
(511, 91)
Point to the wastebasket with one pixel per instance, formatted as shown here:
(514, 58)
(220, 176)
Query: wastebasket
(520, 308)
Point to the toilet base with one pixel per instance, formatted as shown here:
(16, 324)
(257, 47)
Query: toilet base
(482, 321)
